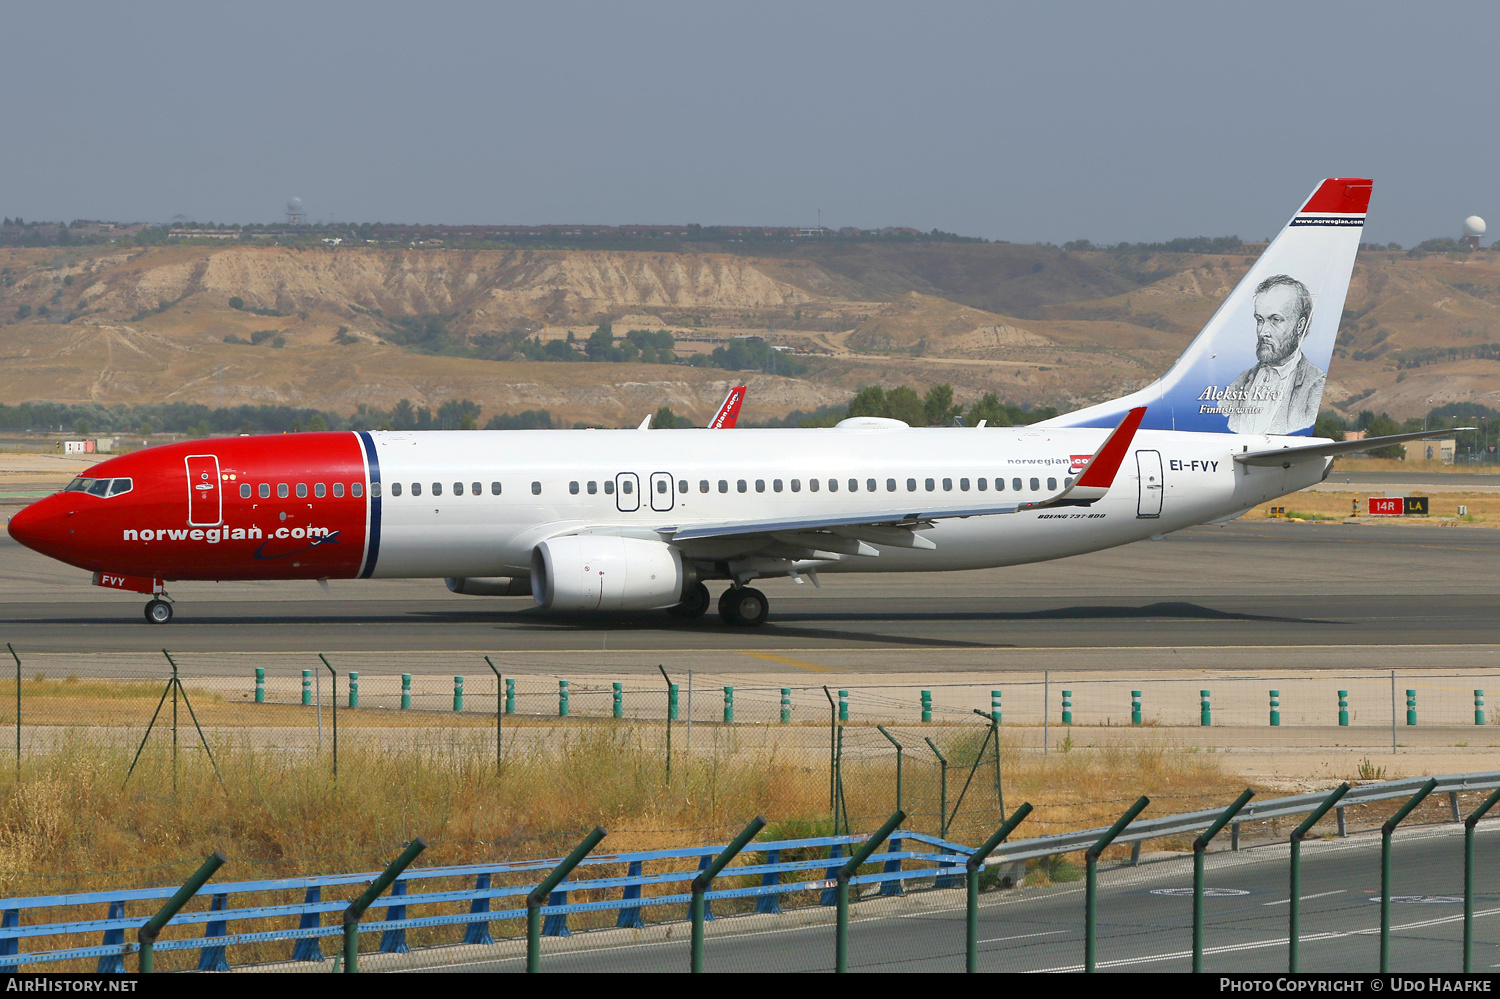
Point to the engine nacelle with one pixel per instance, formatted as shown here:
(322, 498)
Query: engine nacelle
(602, 572)
(490, 586)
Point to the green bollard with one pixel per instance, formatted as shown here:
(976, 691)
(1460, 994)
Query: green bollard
(1478, 707)
(672, 702)
(619, 701)
(458, 693)
(510, 695)
(843, 705)
(1411, 707)
(562, 698)
(405, 691)
(1343, 708)
(307, 686)
(1067, 716)
(1205, 713)
(1135, 707)
(995, 706)
(1275, 708)
(353, 689)
(728, 705)
(786, 705)
(260, 685)
(927, 705)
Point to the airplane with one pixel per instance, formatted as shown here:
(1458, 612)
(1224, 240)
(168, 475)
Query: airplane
(729, 410)
(640, 520)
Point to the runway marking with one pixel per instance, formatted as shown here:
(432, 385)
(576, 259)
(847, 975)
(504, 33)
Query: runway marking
(1304, 898)
(788, 662)
(1025, 936)
(1029, 649)
(1262, 944)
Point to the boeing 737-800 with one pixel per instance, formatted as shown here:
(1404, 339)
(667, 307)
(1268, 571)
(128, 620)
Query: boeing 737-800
(639, 520)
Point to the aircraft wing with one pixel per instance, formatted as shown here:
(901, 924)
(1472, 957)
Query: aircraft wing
(1286, 457)
(853, 534)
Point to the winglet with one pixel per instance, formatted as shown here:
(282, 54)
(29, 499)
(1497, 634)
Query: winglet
(729, 410)
(1099, 474)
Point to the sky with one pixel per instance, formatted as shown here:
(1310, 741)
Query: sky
(1027, 122)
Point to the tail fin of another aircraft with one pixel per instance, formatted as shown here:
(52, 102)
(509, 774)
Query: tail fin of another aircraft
(1259, 365)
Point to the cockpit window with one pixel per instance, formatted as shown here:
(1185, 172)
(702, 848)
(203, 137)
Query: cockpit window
(99, 487)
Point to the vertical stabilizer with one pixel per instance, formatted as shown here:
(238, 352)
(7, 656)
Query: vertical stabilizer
(1259, 365)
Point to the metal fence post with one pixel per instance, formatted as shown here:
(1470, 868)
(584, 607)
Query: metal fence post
(618, 689)
(1275, 708)
(1294, 903)
(1386, 831)
(899, 750)
(499, 715)
(943, 789)
(1091, 877)
(539, 894)
(975, 864)
(706, 877)
(671, 714)
(1200, 846)
(405, 691)
(368, 896)
(786, 705)
(260, 685)
(847, 871)
(353, 689)
(1343, 708)
(1469, 824)
(1205, 712)
(333, 698)
(1135, 707)
(18, 708)
(147, 934)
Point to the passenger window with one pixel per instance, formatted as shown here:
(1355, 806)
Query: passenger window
(437, 489)
(265, 490)
(302, 490)
(661, 486)
(931, 485)
(1036, 484)
(854, 485)
(870, 484)
(947, 485)
(320, 490)
(796, 485)
(358, 489)
(1015, 484)
(593, 487)
(723, 485)
(963, 484)
(282, 492)
(573, 488)
(609, 487)
(1051, 483)
(458, 489)
(628, 486)
(1067, 483)
(494, 489)
(474, 488)
(395, 488)
(833, 485)
(999, 485)
(536, 489)
(703, 485)
(776, 485)
(911, 485)
(682, 485)
(890, 485)
(338, 490)
(119, 486)
(416, 488)
(812, 484)
(983, 484)
(741, 485)
(244, 490)
(760, 485)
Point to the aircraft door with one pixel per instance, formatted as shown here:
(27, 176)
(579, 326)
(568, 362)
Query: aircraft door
(662, 492)
(205, 498)
(1148, 465)
(627, 492)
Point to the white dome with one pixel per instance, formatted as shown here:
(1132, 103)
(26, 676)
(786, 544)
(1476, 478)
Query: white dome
(294, 205)
(1473, 226)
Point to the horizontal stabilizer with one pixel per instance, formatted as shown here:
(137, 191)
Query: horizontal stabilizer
(1288, 456)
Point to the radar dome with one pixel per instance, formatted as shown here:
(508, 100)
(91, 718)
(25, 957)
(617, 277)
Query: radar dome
(295, 205)
(1473, 226)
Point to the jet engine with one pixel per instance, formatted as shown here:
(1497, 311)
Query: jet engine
(490, 586)
(603, 572)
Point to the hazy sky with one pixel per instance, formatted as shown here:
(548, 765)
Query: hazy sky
(1019, 121)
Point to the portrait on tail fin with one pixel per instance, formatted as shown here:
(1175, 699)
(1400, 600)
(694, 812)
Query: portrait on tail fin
(1280, 394)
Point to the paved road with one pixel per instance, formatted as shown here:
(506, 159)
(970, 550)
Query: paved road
(1140, 929)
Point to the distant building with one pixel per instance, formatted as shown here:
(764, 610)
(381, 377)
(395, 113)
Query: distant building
(1440, 450)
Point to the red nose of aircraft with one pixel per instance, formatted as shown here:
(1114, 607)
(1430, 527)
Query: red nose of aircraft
(41, 528)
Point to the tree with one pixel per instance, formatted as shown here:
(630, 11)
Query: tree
(904, 404)
(938, 407)
(236, 302)
(317, 423)
(23, 311)
(600, 342)
(1329, 425)
(1384, 426)
(868, 401)
(990, 411)
(665, 419)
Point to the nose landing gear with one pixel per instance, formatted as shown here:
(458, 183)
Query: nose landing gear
(744, 607)
(158, 611)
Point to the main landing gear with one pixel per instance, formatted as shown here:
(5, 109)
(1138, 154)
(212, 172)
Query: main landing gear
(158, 611)
(694, 602)
(744, 607)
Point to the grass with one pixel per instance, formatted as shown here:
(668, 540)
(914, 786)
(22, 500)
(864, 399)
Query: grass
(1484, 508)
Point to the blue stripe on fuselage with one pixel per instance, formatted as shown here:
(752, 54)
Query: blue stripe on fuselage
(373, 549)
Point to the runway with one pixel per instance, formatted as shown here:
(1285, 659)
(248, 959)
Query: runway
(1259, 585)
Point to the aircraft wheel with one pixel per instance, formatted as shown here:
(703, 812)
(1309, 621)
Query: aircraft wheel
(744, 606)
(694, 603)
(158, 612)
